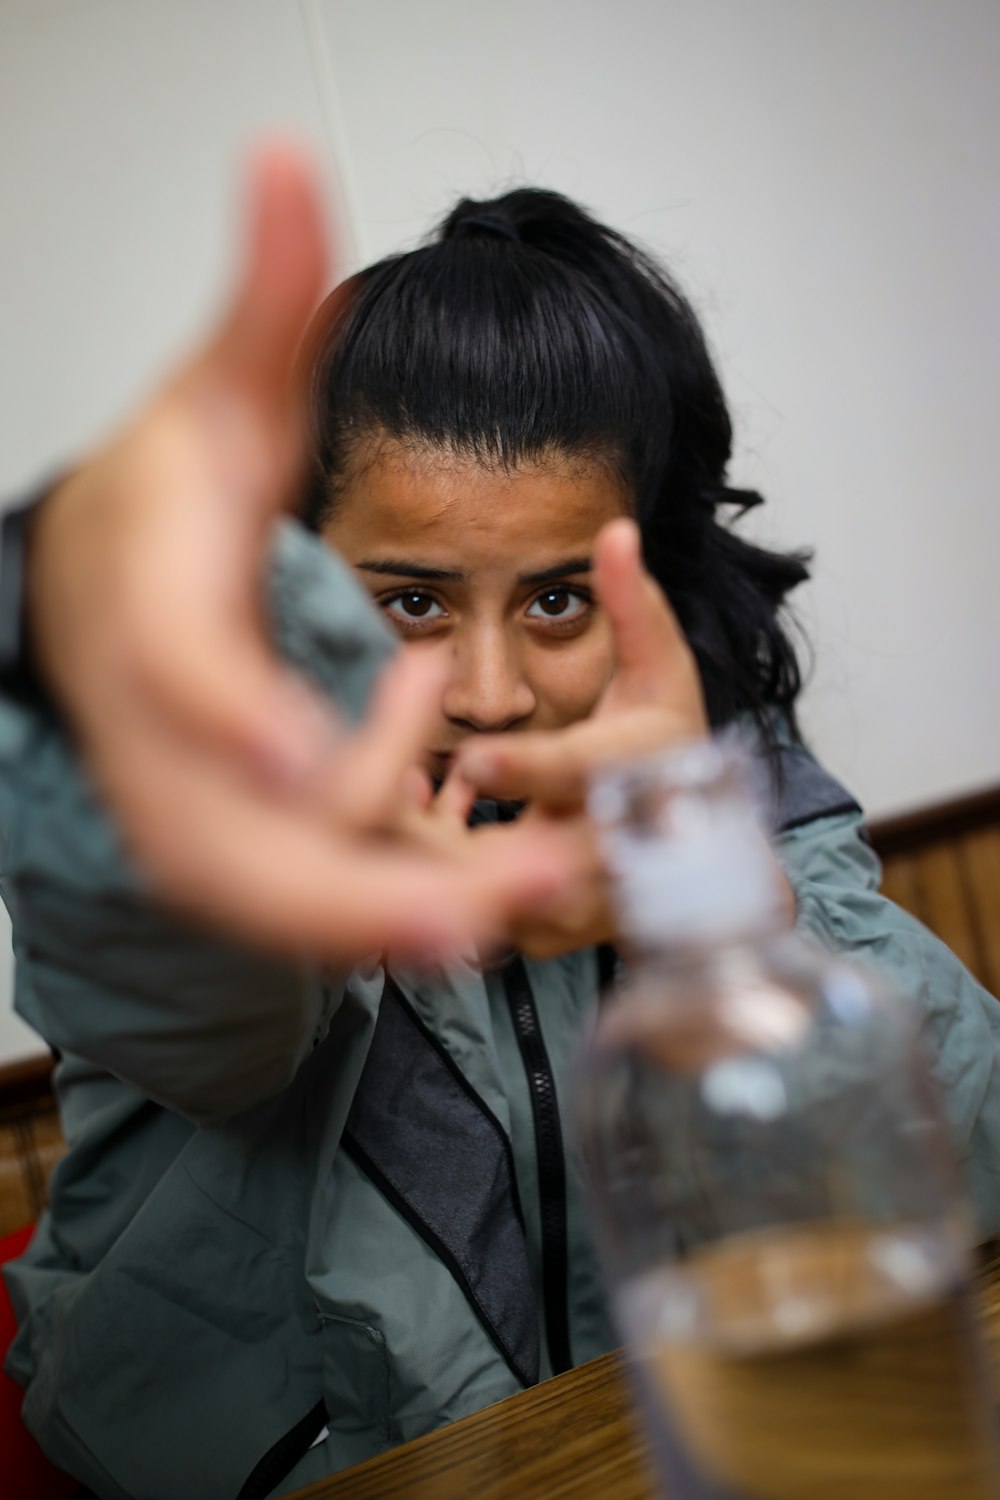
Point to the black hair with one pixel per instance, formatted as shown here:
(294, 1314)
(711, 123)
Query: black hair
(523, 329)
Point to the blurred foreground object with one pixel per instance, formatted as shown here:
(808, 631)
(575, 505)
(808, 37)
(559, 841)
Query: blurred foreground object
(777, 1201)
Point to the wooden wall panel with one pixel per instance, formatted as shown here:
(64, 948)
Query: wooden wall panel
(981, 858)
(944, 901)
(17, 1206)
(30, 1146)
(943, 865)
(899, 882)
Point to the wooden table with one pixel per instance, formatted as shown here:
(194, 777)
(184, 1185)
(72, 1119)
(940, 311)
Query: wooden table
(573, 1436)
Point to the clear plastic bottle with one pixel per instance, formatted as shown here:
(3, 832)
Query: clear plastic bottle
(776, 1201)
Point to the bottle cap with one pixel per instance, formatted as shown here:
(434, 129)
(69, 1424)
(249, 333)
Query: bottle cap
(682, 834)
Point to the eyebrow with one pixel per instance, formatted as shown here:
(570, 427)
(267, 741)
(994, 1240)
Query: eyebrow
(401, 567)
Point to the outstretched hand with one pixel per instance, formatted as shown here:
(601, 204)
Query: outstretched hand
(226, 772)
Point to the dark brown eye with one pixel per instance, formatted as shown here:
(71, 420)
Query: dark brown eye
(412, 605)
(559, 604)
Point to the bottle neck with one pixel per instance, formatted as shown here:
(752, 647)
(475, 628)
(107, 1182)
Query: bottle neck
(689, 1006)
(722, 952)
(678, 896)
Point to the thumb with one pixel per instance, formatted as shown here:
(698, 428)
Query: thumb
(648, 640)
(284, 266)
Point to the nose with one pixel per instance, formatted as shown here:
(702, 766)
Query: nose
(488, 691)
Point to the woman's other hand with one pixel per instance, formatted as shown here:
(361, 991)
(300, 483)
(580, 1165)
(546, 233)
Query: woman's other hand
(653, 700)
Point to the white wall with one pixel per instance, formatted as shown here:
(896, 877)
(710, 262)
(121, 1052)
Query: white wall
(822, 177)
(123, 128)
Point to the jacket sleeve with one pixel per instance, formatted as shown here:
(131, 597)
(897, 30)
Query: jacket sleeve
(196, 1023)
(835, 876)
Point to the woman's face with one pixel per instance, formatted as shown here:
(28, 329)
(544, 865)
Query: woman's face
(492, 569)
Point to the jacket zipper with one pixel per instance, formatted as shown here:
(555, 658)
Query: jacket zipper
(551, 1162)
(281, 1458)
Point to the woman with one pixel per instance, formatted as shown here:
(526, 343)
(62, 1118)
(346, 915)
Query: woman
(305, 1217)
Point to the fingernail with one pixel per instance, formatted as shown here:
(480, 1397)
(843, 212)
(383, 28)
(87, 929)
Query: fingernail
(477, 766)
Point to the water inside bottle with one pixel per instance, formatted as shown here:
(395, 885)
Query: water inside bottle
(816, 1363)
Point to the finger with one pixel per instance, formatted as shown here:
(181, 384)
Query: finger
(240, 386)
(581, 914)
(647, 636)
(418, 789)
(455, 799)
(247, 864)
(283, 273)
(366, 787)
(554, 767)
(528, 769)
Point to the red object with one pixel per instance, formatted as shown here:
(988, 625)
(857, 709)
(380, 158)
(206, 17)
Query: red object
(25, 1472)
